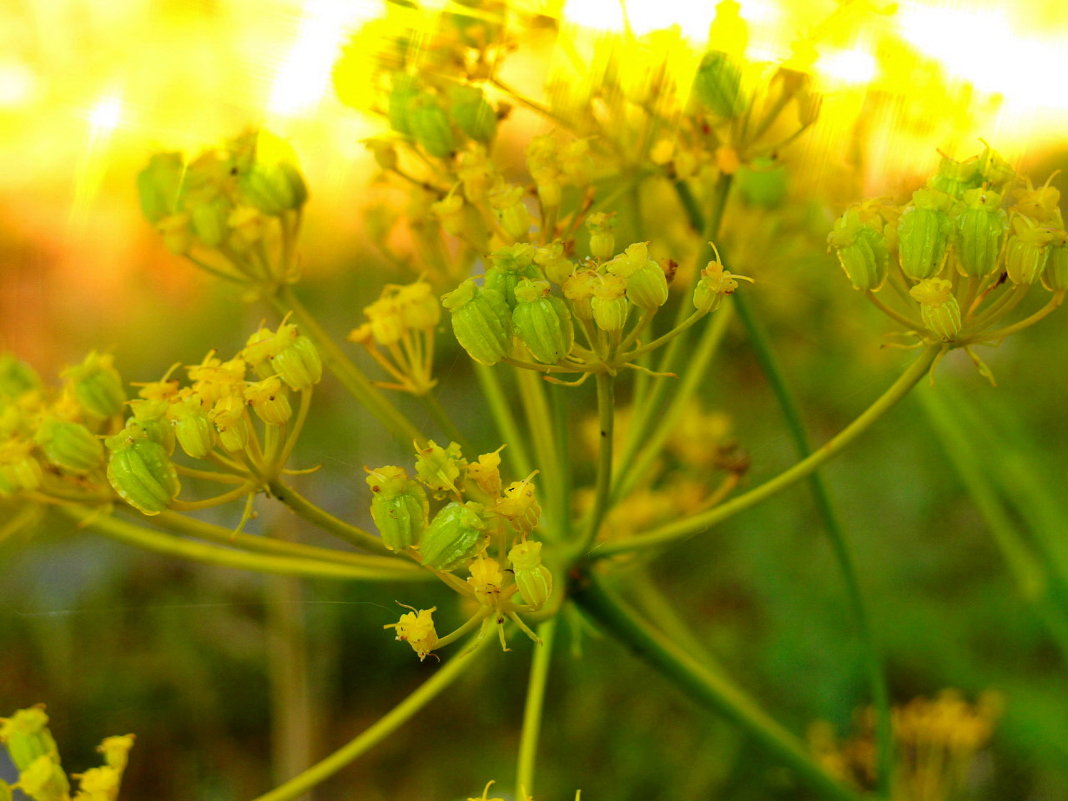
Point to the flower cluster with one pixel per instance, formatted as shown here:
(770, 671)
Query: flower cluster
(34, 752)
(476, 516)
(961, 255)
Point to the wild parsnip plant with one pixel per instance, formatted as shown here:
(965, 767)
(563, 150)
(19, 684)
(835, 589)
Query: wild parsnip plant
(552, 272)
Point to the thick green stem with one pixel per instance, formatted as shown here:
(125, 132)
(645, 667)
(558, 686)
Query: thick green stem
(378, 731)
(873, 666)
(346, 371)
(324, 520)
(133, 534)
(532, 710)
(710, 689)
(804, 468)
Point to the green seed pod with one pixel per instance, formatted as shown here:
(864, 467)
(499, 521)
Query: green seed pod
(939, 308)
(230, 421)
(579, 290)
(401, 98)
(861, 249)
(19, 468)
(954, 178)
(298, 363)
(210, 220)
(481, 321)
(269, 400)
(646, 283)
(69, 445)
(453, 536)
(140, 471)
(510, 265)
(981, 228)
(602, 237)
(762, 183)
(718, 85)
(472, 114)
(97, 385)
(994, 171)
(399, 506)
(27, 737)
(151, 415)
(1055, 276)
(1027, 251)
(16, 377)
(192, 426)
(159, 184)
(430, 126)
(271, 182)
(609, 303)
(923, 234)
(533, 579)
(542, 322)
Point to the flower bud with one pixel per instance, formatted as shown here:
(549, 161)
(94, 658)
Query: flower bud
(69, 445)
(713, 285)
(269, 400)
(1027, 251)
(938, 307)
(717, 85)
(97, 385)
(861, 249)
(26, 736)
(486, 580)
(140, 471)
(438, 467)
(481, 321)
(399, 506)
(453, 536)
(192, 426)
(472, 114)
(980, 230)
(542, 322)
(609, 303)
(419, 309)
(430, 126)
(159, 184)
(602, 238)
(923, 234)
(482, 479)
(533, 579)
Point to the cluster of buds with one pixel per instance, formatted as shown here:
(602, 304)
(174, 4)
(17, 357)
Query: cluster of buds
(476, 513)
(399, 335)
(34, 753)
(439, 118)
(234, 210)
(961, 254)
(88, 443)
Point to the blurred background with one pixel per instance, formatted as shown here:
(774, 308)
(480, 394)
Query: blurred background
(191, 658)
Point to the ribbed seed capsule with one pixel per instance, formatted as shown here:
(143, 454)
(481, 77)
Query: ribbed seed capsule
(646, 283)
(453, 536)
(609, 303)
(1055, 276)
(923, 234)
(19, 469)
(269, 400)
(192, 426)
(270, 181)
(715, 284)
(27, 737)
(520, 505)
(542, 322)
(151, 415)
(532, 578)
(861, 249)
(158, 185)
(230, 421)
(1027, 251)
(296, 359)
(69, 445)
(399, 506)
(980, 231)
(938, 307)
(430, 126)
(717, 85)
(954, 178)
(140, 471)
(472, 114)
(510, 266)
(481, 321)
(97, 385)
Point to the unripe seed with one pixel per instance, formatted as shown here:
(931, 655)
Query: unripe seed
(399, 506)
(609, 303)
(542, 322)
(430, 126)
(97, 385)
(717, 85)
(923, 234)
(980, 231)
(453, 536)
(1027, 251)
(140, 471)
(472, 114)
(481, 321)
(861, 249)
(70, 446)
(939, 308)
(532, 578)
(192, 426)
(269, 400)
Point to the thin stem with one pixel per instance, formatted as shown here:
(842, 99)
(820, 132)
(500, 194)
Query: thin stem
(539, 424)
(346, 371)
(660, 340)
(133, 534)
(445, 423)
(912, 325)
(802, 469)
(323, 519)
(606, 408)
(294, 432)
(711, 689)
(533, 709)
(218, 500)
(516, 453)
(378, 731)
(210, 475)
(1000, 333)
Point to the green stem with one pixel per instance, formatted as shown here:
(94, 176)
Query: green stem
(516, 453)
(378, 731)
(539, 424)
(802, 469)
(445, 423)
(606, 408)
(660, 340)
(1000, 333)
(323, 519)
(133, 534)
(532, 710)
(184, 524)
(346, 371)
(711, 689)
(870, 656)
